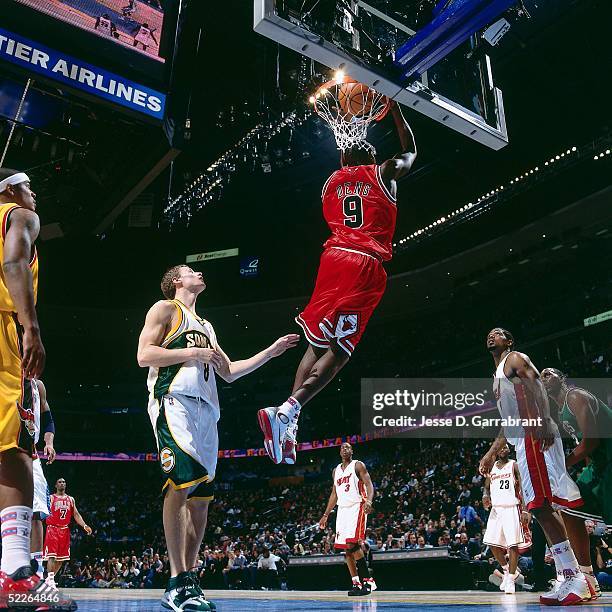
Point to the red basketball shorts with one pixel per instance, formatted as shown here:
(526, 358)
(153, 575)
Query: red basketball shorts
(57, 543)
(349, 286)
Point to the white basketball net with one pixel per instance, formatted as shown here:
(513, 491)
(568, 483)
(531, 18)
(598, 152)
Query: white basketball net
(350, 129)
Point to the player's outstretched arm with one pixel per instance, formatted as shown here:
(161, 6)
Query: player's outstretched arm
(232, 370)
(150, 352)
(18, 243)
(79, 519)
(46, 420)
(579, 403)
(393, 169)
(362, 473)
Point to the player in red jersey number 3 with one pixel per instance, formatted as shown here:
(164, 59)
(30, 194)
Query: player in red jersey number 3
(359, 206)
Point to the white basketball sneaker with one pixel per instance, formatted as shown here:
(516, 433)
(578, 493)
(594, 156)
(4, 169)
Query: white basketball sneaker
(550, 597)
(290, 443)
(594, 587)
(509, 586)
(571, 591)
(502, 586)
(50, 580)
(274, 432)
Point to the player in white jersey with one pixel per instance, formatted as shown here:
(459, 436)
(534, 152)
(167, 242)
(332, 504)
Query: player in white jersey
(353, 492)
(182, 354)
(105, 26)
(144, 35)
(43, 421)
(505, 524)
(546, 485)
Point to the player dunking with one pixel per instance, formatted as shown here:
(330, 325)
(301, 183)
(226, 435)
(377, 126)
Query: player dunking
(546, 485)
(359, 206)
(43, 421)
(57, 539)
(353, 492)
(505, 525)
(182, 353)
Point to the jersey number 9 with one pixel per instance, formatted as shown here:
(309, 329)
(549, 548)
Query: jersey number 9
(352, 207)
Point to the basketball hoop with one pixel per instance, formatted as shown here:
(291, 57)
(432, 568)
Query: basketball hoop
(349, 107)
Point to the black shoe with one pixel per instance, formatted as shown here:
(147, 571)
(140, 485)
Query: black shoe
(358, 591)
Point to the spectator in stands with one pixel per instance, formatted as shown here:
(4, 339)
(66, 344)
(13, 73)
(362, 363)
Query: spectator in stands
(464, 495)
(131, 573)
(475, 546)
(147, 574)
(601, 554)
(422, 544)
(431, 535)
(480, 511)
(267, 570)
(235, 569)
(468, 515)
(460, 548)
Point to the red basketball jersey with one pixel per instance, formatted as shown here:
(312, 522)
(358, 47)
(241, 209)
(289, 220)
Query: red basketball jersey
(360, 211)
(62, 507)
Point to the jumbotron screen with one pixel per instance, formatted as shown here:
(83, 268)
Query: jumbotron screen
(135, 24)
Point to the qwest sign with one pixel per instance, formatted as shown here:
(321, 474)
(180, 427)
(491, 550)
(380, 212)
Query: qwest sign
(80, 75)
(249, 266)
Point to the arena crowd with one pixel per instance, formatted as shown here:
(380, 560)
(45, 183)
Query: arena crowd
(430, 498)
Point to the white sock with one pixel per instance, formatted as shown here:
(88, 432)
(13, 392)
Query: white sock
(567, 558)
(38, 556)
(356, 580)
(505, 568)
(16, 524)
(289, 411)
(586, 569)
(558, 566)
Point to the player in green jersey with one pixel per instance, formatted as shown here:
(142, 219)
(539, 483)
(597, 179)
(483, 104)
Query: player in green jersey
(589, 422)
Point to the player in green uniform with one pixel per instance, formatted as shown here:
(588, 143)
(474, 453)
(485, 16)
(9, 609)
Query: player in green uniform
(588, 421)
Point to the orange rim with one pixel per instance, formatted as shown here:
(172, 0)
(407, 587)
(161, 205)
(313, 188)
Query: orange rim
(347, 80)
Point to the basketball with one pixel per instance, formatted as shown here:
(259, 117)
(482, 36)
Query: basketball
(355, 99)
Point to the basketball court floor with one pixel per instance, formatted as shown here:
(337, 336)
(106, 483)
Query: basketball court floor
(92, 600)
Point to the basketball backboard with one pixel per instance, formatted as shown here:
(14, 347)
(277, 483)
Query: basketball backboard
(364, 39)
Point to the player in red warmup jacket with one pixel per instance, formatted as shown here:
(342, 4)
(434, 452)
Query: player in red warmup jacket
(57, 539)
(359, 206)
